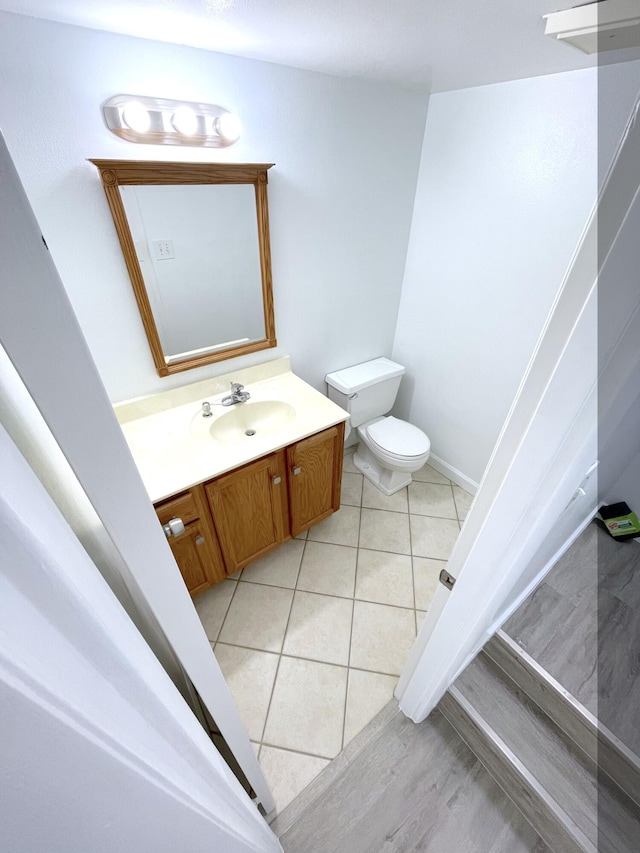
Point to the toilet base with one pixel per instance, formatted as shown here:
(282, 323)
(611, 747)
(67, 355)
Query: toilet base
(387, 481)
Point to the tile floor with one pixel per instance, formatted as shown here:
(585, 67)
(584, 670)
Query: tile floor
(312, 638)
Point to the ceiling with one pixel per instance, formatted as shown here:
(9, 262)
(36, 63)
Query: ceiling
(435, 45)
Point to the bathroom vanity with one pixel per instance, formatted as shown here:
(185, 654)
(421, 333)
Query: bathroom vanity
(230, 487)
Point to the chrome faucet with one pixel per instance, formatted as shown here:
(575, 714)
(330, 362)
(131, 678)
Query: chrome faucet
(237, 395)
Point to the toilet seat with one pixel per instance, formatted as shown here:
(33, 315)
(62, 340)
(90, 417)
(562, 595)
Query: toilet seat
(398, 438)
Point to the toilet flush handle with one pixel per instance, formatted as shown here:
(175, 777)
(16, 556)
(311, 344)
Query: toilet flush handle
(353, 396)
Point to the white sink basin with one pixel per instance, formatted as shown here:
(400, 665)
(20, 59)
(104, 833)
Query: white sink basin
(245, 420)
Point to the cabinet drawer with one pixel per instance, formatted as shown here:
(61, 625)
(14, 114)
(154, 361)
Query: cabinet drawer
(184, 507)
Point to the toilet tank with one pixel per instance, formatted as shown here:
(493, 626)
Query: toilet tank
(366, 390)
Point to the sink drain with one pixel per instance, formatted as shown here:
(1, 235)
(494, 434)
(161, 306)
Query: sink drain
(250, 432)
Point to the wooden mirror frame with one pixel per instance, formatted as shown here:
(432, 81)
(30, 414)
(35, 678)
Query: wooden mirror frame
(117, 173)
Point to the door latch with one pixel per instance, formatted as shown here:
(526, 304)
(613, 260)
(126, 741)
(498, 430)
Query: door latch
(446, 579)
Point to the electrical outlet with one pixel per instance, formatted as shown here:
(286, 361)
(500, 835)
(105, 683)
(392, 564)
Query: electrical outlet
(163, 250)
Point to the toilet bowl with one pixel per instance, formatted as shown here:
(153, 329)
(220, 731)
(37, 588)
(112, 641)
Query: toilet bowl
(390, 450)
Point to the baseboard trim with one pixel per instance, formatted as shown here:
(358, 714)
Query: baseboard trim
(453, 474)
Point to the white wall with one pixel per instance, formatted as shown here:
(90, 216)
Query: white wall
(627, 487)
(508, 177)
(340, 194)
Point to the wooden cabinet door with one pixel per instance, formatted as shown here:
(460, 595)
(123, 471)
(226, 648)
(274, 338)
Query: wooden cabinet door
(315, 477)
(248, 510)
(195, 550)
(197, 557)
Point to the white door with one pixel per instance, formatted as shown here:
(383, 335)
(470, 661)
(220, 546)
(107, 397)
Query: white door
(539, 486)
(99, 750)
(41, 336)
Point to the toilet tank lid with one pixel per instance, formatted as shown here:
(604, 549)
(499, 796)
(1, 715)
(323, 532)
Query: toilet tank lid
(353, 379)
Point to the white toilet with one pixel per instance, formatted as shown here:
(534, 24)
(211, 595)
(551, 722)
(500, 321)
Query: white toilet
(390, 449)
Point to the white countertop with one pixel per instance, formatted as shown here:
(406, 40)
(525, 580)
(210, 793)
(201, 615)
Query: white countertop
(170, 440)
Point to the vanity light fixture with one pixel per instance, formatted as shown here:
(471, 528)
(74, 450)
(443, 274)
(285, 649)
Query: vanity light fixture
(160, 121)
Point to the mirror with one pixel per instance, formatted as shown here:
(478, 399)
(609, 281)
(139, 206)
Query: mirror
(195, 238)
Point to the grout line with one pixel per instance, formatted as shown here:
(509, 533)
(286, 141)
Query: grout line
(353, 607)
(297, 751)
(413, 577)
(226, 612)
(453, 495)
(286, 627)
(356, 547)
(313, 660)
(339, 544)
(348, 597)
(353, 611)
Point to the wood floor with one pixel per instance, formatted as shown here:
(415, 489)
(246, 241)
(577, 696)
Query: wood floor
(409, 788)
(583, 626)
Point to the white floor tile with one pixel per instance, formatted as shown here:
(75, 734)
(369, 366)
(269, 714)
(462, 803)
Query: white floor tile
(433, 537)
(381, 530)
(373, 498)
(341, 528)
(319, 628)
(367, 693)
(381, 637)
(432, 499)
(279, 568)
(325, 629)
(351, 489)
(288, 773)
(250, 675)
(427, 474)
(307, 707)
(384, 578)
(328, 568)
(257, 617)
(426, 573)
(211, 607)
(463, 501)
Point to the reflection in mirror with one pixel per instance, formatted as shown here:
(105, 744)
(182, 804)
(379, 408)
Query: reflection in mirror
(196, 241)
(197, 247)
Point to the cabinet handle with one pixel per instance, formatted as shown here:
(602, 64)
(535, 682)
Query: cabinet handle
(297, 470)
(199, 540)
(276, 481)
(173, 528)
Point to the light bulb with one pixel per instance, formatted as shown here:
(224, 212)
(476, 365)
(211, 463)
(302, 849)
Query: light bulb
(136, 117)
(185, 121)
(229, 126)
